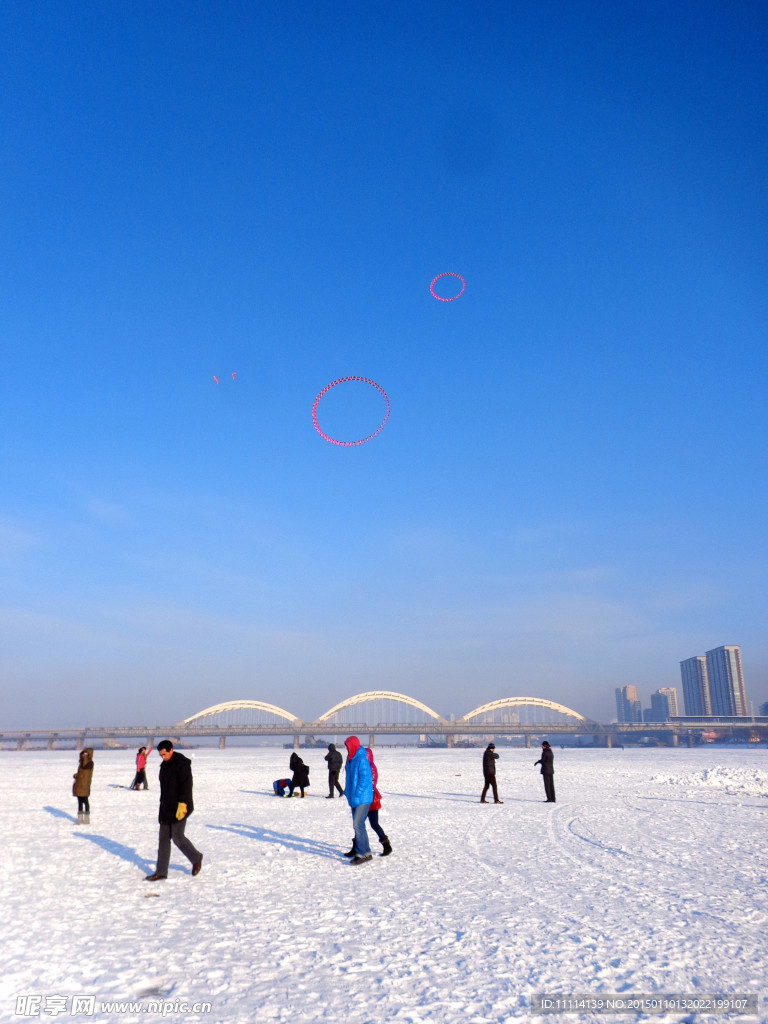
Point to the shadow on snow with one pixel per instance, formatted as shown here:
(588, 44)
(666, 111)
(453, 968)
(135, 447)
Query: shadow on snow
(61, 814)
(267, 835)
(118, 850)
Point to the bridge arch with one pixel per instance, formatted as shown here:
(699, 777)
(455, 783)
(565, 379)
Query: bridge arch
(372, 696)
(242, 709)
(491, 710)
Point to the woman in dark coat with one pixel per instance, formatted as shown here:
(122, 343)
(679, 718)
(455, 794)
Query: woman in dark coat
(300, 773)
(81, 787)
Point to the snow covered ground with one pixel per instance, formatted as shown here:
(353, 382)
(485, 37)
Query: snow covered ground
(648, 876)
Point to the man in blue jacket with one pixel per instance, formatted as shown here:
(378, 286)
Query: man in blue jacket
(358, 789)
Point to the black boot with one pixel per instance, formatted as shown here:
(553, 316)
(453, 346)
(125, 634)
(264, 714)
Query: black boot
(351, 852)
(387, 847)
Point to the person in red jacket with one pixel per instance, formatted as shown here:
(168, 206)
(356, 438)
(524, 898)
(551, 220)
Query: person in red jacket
(373, 811)
(141, 766)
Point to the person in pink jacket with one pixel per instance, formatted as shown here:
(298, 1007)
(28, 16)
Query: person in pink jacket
(141, 766)
(373, 810)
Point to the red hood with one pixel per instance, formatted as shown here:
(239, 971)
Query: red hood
(369, 755)
(352, 743)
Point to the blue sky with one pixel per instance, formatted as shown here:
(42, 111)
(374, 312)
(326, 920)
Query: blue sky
(570, 492)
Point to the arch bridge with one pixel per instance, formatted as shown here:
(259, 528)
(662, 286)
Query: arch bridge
(387, 712)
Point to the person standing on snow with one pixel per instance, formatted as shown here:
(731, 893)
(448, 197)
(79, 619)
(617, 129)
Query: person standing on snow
(175, 807)
(547, 771)
(490, 758)
(335, 761)
(81, 787)
(141, 765)
(358, 789)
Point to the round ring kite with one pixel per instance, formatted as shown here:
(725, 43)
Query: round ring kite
(342, 380)
(448, 273)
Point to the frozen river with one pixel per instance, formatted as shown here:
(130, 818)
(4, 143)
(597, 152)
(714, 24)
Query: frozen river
(648, 876)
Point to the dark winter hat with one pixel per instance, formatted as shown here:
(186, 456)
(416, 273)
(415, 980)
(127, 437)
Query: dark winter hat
(544, 743)
(491, 746)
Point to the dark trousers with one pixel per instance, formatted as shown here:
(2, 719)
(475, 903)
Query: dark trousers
(140, 777)
(373, 821)
(333, 780)
(549, 787)
(490, 780)
(174, 832)
(83, 807)
(293, 786)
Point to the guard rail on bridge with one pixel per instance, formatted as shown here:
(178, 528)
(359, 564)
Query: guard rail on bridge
(753, 728)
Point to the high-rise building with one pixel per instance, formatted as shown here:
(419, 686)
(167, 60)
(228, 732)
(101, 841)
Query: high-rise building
(628, 708)
(726, 681)
(663, 704)
(670, 693)
(696, 686)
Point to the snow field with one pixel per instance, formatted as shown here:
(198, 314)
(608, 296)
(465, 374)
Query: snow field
(646, 876)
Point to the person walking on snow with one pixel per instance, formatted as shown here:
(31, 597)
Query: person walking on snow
(358, 789)
(175, 807)
(489, 773)
(81, 787)
(335, 761)
(547, 772)
(141, 765)
(373, 811)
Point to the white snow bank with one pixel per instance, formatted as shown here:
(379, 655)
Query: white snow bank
(735, 781)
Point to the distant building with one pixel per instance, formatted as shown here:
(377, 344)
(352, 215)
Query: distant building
(628, 708)
(663, 705)
(696, 686)
(764, 709)
(726, 681)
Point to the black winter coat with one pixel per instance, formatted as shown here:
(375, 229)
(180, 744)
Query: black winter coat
(299, 769)
(489, 761)
(175, 787)
(547, 757)
(334, 759)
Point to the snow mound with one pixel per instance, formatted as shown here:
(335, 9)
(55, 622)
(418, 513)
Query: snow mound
(736, 781)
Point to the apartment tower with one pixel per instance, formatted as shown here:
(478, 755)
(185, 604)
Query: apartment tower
(726, 681)
(696, 686)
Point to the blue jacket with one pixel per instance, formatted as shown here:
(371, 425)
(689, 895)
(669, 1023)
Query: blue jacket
(358, 785)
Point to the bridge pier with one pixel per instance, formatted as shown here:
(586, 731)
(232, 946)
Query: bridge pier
(50, 743)
(673, 740)
(449, 740)
(690, 738)
(608, 740)
(222, 742)
(528, 739)
(296, 742)
(370, 740)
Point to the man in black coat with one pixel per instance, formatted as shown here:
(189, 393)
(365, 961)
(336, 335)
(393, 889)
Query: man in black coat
(489, 773)
(547, 771)
(175, 807)
(335, 761)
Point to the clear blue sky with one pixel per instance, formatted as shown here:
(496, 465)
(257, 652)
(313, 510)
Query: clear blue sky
(570, 492)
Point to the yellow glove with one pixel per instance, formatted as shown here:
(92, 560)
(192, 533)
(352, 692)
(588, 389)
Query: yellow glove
(181, 811)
